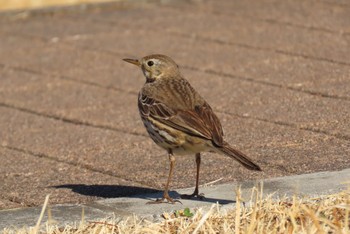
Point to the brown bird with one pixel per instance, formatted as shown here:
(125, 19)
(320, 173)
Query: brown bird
(178, 119)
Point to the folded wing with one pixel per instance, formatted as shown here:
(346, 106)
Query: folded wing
(199, 121)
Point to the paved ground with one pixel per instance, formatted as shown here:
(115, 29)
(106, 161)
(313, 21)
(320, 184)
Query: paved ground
(277, 73)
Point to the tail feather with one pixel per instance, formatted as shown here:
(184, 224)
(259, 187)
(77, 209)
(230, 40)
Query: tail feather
(239, 156)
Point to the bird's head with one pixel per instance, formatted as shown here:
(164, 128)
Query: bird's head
(156, 66)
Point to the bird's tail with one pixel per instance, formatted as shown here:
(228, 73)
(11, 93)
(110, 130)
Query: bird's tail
(239, 156)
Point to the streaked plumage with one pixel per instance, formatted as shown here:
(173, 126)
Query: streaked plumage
(177, 118)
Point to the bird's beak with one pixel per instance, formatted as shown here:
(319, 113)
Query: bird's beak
(133, 61)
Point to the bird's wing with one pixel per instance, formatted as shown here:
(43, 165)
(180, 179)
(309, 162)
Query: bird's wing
(200, 121)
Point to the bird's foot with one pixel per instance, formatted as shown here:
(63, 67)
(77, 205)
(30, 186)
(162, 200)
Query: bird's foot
(193, 195)
(164, 199)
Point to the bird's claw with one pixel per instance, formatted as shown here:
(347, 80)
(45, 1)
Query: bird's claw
(165, 199)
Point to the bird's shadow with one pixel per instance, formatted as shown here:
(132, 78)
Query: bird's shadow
(115, 191)
(106, 191)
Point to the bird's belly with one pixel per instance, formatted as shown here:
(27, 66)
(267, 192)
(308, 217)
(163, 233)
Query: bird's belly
(192, 146)
(177, 141)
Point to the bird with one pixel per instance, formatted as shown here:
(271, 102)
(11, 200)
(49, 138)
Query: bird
(179, 120)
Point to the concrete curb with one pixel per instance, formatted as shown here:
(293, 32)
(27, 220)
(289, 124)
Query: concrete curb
(314, 184)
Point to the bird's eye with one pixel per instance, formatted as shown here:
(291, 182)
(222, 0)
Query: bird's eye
(150, 63)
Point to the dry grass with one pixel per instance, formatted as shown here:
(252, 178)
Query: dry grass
(327, 214)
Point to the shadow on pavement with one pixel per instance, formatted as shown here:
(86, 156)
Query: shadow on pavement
(106, 191)
(114, 191)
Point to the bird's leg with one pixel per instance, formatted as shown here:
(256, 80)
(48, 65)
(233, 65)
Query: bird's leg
(196, 190)
(166, 198)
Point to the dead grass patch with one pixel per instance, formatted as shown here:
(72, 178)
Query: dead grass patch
(324, 214)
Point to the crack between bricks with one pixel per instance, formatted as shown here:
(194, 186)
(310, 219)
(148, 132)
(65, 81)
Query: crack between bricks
(338, 4)
(271, 20)
(79, 81)
(249, 79)
(69, 120)
(296, 25)
(291, 125)
(252, 47)
(310, 57)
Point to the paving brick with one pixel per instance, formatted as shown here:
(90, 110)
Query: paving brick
(274, 104)
(312, 14)
(77, 144)
(64, 182)
(72, 100)
(299, 73)
(318, 77)
(57, 28)
(93, 67)
(244, 31)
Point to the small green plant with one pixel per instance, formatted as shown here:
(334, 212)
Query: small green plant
(187, 213)
(179, 213)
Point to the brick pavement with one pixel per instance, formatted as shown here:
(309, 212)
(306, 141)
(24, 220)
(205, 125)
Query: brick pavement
(277, 73)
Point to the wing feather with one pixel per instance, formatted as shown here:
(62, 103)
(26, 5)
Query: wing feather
(200, 121)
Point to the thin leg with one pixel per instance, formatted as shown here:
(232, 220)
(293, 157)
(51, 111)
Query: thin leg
(198, 163)
(166, 197)
(196, 190)
(172, 164)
